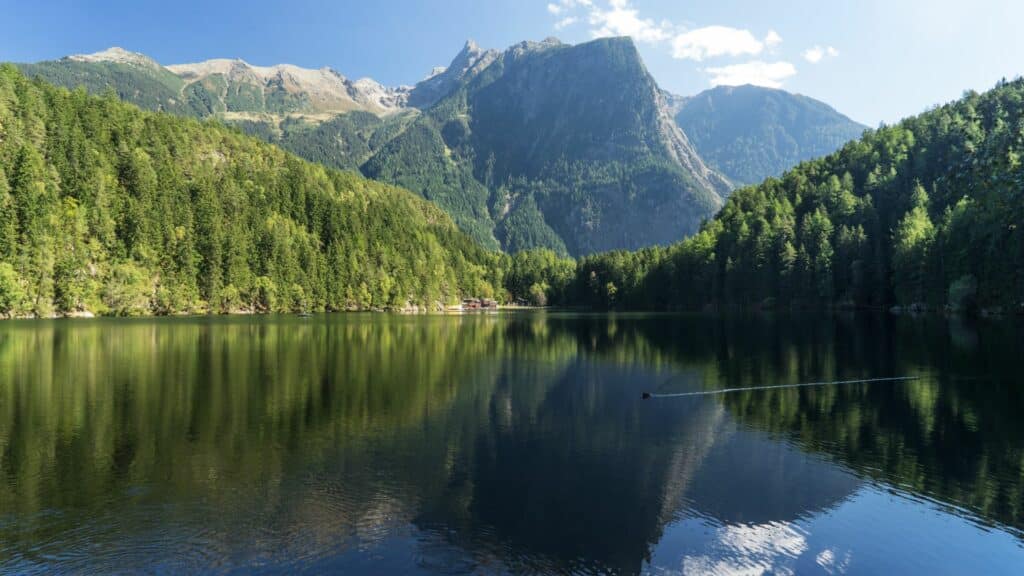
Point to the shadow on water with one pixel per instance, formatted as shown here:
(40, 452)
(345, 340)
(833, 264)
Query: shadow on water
(504, 443)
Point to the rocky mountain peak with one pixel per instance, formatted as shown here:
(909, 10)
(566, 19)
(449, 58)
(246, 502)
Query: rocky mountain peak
(116, 54)
(467, 63)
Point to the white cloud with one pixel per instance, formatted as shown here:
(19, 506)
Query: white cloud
(751, 549)
(756, 72)
(816, 54)
(712, 41)
(566, 5)
(565, 22)
(831, 563)
(621, 19)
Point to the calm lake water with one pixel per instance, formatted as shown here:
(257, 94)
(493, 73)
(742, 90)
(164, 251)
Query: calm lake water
(514, 443)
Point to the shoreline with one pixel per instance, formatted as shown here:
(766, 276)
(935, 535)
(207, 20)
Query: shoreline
(982, 314)
(87, 315)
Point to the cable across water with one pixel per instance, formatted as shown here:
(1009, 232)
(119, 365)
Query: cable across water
(647, 395)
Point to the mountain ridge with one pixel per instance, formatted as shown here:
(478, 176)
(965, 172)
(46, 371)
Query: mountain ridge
(750, 133)
(608, 166)
(557, 141)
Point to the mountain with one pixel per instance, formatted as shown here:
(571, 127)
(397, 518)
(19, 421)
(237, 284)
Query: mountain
(234, 86)
(923, 214)
(750, 133)
(231, 89)
(559, 146)
(116, 55)
(133, 77)
(542, 145)
(443, 81)
(105, 208)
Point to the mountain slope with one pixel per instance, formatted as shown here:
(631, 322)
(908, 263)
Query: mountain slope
(133, 77)
(469, 62)
(926, 213)
(227, 88)
(543, 145)
(750, 133)
(551, 141)
(236, 86)
(105, 208)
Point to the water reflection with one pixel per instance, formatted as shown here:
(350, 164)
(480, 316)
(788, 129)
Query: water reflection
(372, 443)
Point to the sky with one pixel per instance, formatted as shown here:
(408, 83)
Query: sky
(873, 60)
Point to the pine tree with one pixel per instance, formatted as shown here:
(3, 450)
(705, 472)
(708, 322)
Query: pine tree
(912, 244)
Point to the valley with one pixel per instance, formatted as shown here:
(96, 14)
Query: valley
(543, 145)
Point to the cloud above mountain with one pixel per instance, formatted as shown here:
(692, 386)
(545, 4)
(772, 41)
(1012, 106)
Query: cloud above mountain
(756, 72)
(702, 44)
(713, 41)
(620, 18)
(816, 54)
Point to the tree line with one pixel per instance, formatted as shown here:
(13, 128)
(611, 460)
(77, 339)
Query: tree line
(108, 209)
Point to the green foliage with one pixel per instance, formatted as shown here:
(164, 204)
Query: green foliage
(963, 294)
(108, 209)
(524, 228)
(538, 294)
(539, 277)
(127, 290)
(420, 160)
(11, 292)
(912, 242)
(153, 88)
(344, 142)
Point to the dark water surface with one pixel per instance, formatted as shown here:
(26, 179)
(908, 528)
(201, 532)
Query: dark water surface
(514, 443)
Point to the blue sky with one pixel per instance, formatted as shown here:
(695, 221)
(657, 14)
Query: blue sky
(874, 60)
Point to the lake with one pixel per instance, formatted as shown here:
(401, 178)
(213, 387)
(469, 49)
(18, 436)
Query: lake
(511, 443)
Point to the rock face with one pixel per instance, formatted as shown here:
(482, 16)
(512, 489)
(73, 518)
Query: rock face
(750, 133)
(116, 55)
(547, 100)
(242, 87)
(443, 80)
(230, 87)
(567, 147)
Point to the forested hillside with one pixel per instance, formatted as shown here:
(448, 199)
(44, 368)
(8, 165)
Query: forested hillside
(140, 81)
(108, 209)
(928, 212)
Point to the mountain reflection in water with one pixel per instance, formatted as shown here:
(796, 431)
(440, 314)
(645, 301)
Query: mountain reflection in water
(509, 443)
